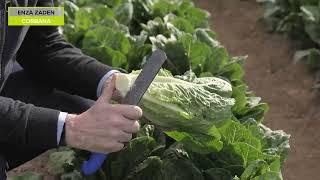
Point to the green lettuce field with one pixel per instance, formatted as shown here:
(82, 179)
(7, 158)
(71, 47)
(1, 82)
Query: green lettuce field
(201, 121)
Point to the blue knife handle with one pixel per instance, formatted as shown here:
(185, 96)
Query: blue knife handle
(94, 163)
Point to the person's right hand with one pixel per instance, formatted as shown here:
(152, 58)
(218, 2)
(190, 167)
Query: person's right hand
(105, 127)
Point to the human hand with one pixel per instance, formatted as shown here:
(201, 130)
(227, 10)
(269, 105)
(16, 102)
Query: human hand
(105, 127)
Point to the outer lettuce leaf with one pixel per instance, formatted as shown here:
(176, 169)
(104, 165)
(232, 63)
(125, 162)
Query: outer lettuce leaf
(200, 143)
(106, 37)
(173, 164)
(148, 169)
(107, 45)
(269, 176)
(124, 12)
(218, 173)
(275, 142)
(136, 152)
(244, 152)
(88, 16)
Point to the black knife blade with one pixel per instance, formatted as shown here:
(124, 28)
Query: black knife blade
(145, 78)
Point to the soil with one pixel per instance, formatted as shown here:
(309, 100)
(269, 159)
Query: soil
(270, 73)
(38, 165)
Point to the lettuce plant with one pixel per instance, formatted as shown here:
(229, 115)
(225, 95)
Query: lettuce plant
(200, 121)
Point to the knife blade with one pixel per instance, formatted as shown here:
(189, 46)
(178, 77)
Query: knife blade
(145, 78)
(133, 97)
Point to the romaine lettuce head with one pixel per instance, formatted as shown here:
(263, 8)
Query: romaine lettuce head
(192, 107)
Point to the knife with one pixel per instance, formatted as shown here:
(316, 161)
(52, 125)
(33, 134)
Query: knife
(133, 97)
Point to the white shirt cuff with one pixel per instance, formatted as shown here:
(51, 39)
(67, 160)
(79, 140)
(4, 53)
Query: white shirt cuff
(61, 120)
(103, 80)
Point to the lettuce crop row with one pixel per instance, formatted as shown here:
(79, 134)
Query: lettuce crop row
(215, 121)
(299, 19)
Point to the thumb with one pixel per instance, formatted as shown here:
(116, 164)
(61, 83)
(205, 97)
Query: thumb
(108, 90)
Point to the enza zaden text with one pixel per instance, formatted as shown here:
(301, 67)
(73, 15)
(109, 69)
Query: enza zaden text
(36, 12)
(34, 16)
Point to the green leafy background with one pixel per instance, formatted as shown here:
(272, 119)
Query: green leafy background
(123, 34)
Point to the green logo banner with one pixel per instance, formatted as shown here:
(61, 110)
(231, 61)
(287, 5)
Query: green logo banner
(35, 16)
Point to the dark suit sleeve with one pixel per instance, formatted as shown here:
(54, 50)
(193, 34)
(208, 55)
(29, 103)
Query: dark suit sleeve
(47, 56)
(23, 124)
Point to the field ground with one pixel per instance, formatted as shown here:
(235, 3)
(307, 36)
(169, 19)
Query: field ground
(271, 74)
